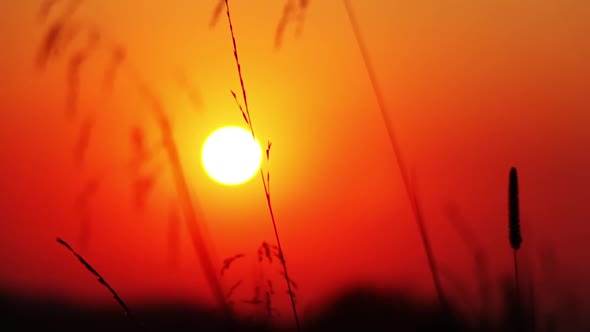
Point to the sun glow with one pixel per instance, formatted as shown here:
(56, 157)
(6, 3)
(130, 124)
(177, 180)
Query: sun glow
(231, 155)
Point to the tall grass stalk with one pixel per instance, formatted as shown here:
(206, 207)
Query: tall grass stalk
(248, 119)
(398, 155)
(515, 237)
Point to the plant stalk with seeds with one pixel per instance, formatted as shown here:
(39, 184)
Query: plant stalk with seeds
(265, 179)
(514, 221)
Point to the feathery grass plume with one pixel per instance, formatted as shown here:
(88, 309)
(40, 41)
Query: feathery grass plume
(60, 33)
(101, 280)
(514, 235)
(397, 153)
(286, 17)
(293, 12)
(226, 266)
(156, 109)
(228, 262)
(513, 210)
(117, 57)
(264, 289)
(216, 13)
(248, 119)
(49, 43)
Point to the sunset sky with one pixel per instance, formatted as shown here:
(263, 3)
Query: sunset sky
(473, 88)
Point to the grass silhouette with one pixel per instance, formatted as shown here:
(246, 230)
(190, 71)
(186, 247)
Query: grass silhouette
(99, 278)
(265, 178)
(514, 235)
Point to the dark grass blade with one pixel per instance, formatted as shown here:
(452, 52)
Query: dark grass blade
(100, 279)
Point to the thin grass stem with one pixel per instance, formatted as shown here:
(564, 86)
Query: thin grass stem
(262, 177)
(397, 152)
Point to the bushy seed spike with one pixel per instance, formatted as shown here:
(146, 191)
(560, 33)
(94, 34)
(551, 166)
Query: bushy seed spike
(513, 211)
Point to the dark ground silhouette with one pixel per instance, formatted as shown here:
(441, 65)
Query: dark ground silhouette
(357, 309)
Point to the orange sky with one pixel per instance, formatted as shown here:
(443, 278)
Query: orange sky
(474, 87)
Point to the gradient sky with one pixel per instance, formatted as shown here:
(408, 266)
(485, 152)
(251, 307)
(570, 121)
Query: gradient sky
(474, 87)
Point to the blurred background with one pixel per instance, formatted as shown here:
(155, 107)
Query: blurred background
(473, 89)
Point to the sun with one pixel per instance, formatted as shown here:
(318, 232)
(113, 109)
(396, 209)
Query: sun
(231, 155)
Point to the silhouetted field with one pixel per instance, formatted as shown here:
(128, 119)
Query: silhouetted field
(356, 310)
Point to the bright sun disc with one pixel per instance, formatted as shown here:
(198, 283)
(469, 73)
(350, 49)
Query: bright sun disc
(231, 155)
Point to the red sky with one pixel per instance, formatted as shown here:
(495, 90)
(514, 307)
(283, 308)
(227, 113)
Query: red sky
(473, 87)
